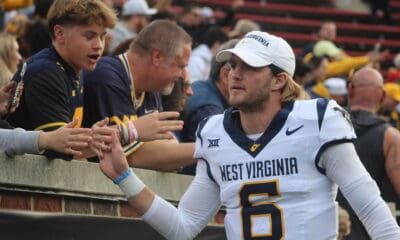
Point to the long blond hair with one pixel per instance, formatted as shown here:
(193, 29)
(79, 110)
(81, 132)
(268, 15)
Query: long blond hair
(6, 47)
(5, 74)
(292, 91)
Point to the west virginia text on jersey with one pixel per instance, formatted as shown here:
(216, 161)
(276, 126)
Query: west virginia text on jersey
(259, 169)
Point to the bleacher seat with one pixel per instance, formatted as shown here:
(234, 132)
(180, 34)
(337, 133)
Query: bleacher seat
(298, 21)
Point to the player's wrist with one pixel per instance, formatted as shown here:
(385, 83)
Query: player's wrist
(122, 176)
(129, 183)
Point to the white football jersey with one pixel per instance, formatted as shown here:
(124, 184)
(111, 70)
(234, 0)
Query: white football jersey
(273, 188)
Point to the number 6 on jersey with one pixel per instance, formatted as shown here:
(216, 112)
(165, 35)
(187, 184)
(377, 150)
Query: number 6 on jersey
(255, 209)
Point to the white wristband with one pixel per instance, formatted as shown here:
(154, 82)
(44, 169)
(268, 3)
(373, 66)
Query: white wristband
(131, 185)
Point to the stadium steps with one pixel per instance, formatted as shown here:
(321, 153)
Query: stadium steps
(299, 22)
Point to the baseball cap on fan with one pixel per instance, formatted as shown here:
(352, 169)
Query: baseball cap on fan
(137, 7)
(260, 49)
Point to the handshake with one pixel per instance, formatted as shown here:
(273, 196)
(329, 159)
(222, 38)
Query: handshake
(153, 126)
(86, 142)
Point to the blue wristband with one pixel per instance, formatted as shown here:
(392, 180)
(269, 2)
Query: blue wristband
(119, 179)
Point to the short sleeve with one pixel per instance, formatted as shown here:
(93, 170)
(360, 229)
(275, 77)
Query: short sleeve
(336, 125)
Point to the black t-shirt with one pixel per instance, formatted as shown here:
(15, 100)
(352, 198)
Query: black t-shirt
(108, 94)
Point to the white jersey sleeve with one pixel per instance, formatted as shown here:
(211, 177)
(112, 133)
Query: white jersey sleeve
(336, 125)
(344, 167)
(335, 128)
(197, 206)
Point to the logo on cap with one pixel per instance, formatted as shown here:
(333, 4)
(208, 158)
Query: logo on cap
(258, 38)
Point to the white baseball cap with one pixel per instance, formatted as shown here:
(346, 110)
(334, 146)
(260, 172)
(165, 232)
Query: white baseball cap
(336, 86)
(260, 49)
(207, 12)
(137, 7)
(328, 48)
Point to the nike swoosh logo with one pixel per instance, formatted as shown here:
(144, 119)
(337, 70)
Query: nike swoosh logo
(290, 132)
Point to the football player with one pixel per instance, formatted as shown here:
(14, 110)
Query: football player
(273, 160)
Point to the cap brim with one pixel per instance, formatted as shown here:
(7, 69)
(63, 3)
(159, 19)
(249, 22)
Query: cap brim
(337, 91)
(250, 58)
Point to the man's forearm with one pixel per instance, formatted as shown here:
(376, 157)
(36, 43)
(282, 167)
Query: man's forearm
(162, 155)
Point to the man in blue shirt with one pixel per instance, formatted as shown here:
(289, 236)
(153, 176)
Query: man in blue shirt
(209, 98)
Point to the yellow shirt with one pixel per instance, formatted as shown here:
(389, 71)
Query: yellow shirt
(8, 5)
(345, 65)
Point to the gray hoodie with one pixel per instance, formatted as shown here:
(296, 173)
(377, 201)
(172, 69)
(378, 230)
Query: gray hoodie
(19, 141)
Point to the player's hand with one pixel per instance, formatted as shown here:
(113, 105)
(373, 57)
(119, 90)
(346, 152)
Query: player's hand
(67, 139)
(101, 137)
(156, 126)
(113, 163)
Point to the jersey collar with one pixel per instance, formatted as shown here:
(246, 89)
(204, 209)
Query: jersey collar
(234, 128)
